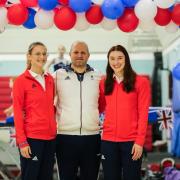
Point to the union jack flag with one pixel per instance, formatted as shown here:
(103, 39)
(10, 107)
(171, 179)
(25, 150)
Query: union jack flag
(162, 115)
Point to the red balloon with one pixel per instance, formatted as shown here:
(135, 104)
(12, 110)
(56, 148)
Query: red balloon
(64, 2)
(65, 18)
(128, 22)
(29, 3)
(176, 14)
(17, 14)
(163, 17)
(2, 2)
(56, 10)
(94, 15)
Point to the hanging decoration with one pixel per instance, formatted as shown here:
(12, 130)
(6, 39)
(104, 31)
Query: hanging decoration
(81, 14)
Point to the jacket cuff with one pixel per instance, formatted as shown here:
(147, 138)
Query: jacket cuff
(23, 144)
(140, 142)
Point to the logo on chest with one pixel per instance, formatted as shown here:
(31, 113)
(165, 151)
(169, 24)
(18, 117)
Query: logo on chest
(67, 78)
(92, 77)
(34, 85)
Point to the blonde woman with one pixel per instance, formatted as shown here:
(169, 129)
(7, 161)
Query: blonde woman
(35, 124)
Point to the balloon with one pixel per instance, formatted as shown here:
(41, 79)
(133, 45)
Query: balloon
(17, 14)
(129, 3)
(128, 22)
(171, 8)
(147, 26)
(145, 10)
(81, 23)
(171, 27)
(176, 71)
(176, 14)
(2, 2)
(44, 19)
(94, 14)
(108, 24)
(164, 3)
(97, 1)
(3, 18)
(80, 5)
(65, 18)
(14, 1)
(163, 17)
(112, 9)
(64, 2)
(30, 24)
(29, 3)
(176, 97)
(48, 5)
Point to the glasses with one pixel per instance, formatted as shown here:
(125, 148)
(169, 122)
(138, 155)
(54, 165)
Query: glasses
(41, 54)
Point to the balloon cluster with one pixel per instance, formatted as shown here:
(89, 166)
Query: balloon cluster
(127, 15)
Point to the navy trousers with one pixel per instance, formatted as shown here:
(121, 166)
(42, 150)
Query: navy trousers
(75, 152)
(117, 161)
(40, 165)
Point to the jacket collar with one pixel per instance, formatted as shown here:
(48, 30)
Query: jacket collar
(29, 75)
(33, 74)
(68, 68)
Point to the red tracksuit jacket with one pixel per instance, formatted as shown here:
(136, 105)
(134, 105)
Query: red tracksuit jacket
(126, 114)
(33, 109)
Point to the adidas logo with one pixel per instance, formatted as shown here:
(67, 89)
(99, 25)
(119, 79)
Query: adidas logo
(103, 157)
(35, 158)
(67, 78)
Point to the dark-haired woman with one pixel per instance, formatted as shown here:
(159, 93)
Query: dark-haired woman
(33, 95)
(127, 98)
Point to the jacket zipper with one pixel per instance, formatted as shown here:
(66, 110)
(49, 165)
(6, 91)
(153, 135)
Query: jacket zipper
(116, 111)
(80, 106)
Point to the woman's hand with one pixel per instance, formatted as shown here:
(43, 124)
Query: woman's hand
(25, 151)
(136, 152)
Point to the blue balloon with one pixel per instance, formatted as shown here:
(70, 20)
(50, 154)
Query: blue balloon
(30, 24)
(176, 71)
(171, 8)
(48, 4)
(176, 95)
(80, 5)
(112, 9)
(129, 3)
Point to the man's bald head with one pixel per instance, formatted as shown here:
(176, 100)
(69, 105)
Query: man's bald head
(79, 54)
(79, 43)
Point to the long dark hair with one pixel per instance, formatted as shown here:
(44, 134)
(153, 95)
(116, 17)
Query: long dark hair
(129, 75)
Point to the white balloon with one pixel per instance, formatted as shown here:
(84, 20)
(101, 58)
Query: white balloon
(108, 24)
(171, 27)
(147, 26)
(145, 10)
(44, 19)
(164, 3)
(98, 1)
(14, 1)
(3, 18)
(81, 22)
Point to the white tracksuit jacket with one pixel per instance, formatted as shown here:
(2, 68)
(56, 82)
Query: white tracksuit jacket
(77, 102)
